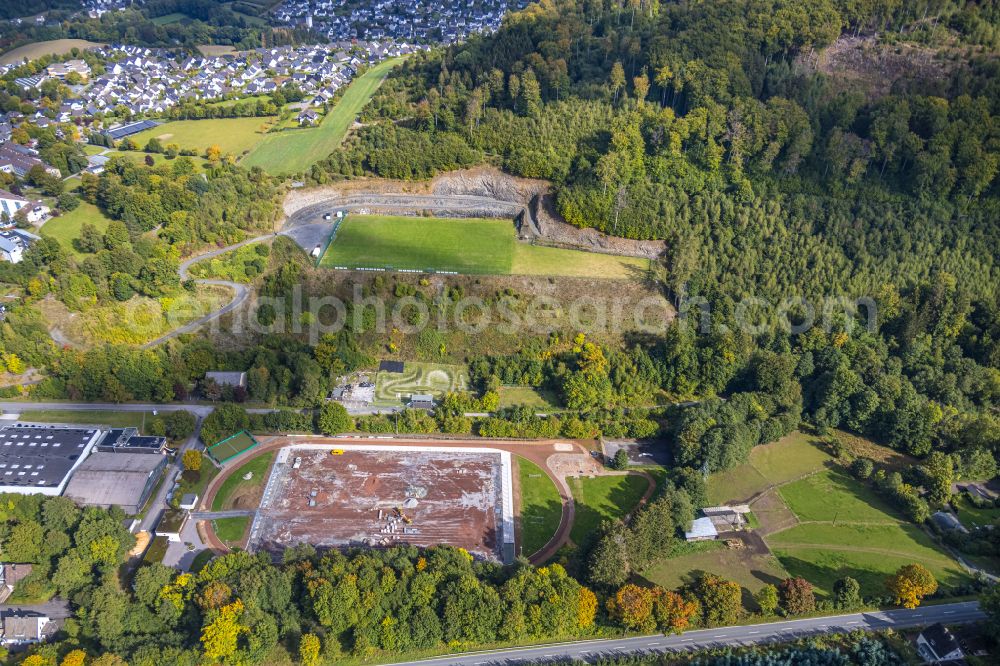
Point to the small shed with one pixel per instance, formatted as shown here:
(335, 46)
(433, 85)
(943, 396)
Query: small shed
(189, 501)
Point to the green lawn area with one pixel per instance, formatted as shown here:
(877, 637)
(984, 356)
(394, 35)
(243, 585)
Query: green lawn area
(159, 159)
(791, 457)
(235, 493)
(67, 226)
(847, 530)
(527, 395)
(91, 149)
(971, 515)
(750, 570)
(603, 498)
(115, 419)
(36, 50)
(201, 559)
(295, 150)
(197, 486)
(174, 17)
(230, 530)
(540, 260)
(469, 246)
(833, 496)
(541, 507)
(232, 135)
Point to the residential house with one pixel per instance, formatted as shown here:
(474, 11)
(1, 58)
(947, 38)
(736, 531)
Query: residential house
(23, 628)
(937, 645)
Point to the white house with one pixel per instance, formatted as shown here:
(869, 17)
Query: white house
(11, 203)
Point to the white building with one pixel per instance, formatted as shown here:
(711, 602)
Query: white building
(11, 203)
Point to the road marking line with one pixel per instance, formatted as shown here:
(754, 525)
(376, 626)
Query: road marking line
(719, 636)
(948, 612)
(751, 633)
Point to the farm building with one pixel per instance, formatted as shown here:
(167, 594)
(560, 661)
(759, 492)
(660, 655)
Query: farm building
(40, 457)
(727, 518)
(116, 479)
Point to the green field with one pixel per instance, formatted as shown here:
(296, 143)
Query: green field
(603, 498)
(166, 19)
(295, 150)
(468, 246)
(833, 496)
(231, 446)
(36, 50)
(233, 135)
(234, 488)
(791, 457)
(231, 530)
(541, 507)
(115, 419)
(66, 227)
(159, 159)
(527, 395)
(751, 570)
(974, 516)
(433, 378)
(847, 530)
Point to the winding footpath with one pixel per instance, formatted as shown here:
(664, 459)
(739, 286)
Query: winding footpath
(240, 291)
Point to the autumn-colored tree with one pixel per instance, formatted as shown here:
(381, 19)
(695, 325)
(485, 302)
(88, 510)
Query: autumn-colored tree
(797, 596)
(721, 599)
(586, 608)
(632, 607)
(220, 637)
(192, 460)
(214, 595)
(74, 658)
(309, 648)
(36, 660)
(673, 613)
(213, 154)
(109, 659)
(910, 584)
(767, 599)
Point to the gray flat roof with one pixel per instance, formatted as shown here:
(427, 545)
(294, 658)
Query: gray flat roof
(106, 479)
(40, 455)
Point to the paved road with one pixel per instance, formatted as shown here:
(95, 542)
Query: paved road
(959, 613)
(56, 609)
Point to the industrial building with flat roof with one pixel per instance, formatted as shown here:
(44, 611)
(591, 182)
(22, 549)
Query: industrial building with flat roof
(40, 458)
(116, 479)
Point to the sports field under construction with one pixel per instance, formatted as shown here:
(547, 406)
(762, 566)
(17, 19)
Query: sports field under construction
(332, 495)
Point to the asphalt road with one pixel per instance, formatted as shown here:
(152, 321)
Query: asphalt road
(959, 613)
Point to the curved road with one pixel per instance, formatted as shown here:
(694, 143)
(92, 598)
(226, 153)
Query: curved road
(242, 291)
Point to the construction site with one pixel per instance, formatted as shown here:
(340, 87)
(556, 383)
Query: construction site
(336, 496)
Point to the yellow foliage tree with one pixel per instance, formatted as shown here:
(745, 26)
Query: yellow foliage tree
(309, 650)
(213, 153)
(586, 608)
(74, 658)
(910, 584)
(220, 638)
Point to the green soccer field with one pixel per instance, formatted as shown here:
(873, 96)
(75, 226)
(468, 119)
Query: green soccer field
(298, 149)
(422, 244)
(467, 246)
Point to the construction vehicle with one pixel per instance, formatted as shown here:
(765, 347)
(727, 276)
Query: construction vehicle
(337, 452)
(405, 518)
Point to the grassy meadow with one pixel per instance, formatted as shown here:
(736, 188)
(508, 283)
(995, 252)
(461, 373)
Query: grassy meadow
(295, 150)
(234, 136)
(36, 50)
(66, 228)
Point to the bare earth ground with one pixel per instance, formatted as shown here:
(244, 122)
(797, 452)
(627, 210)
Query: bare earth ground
(863, 63)
(456, 496)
